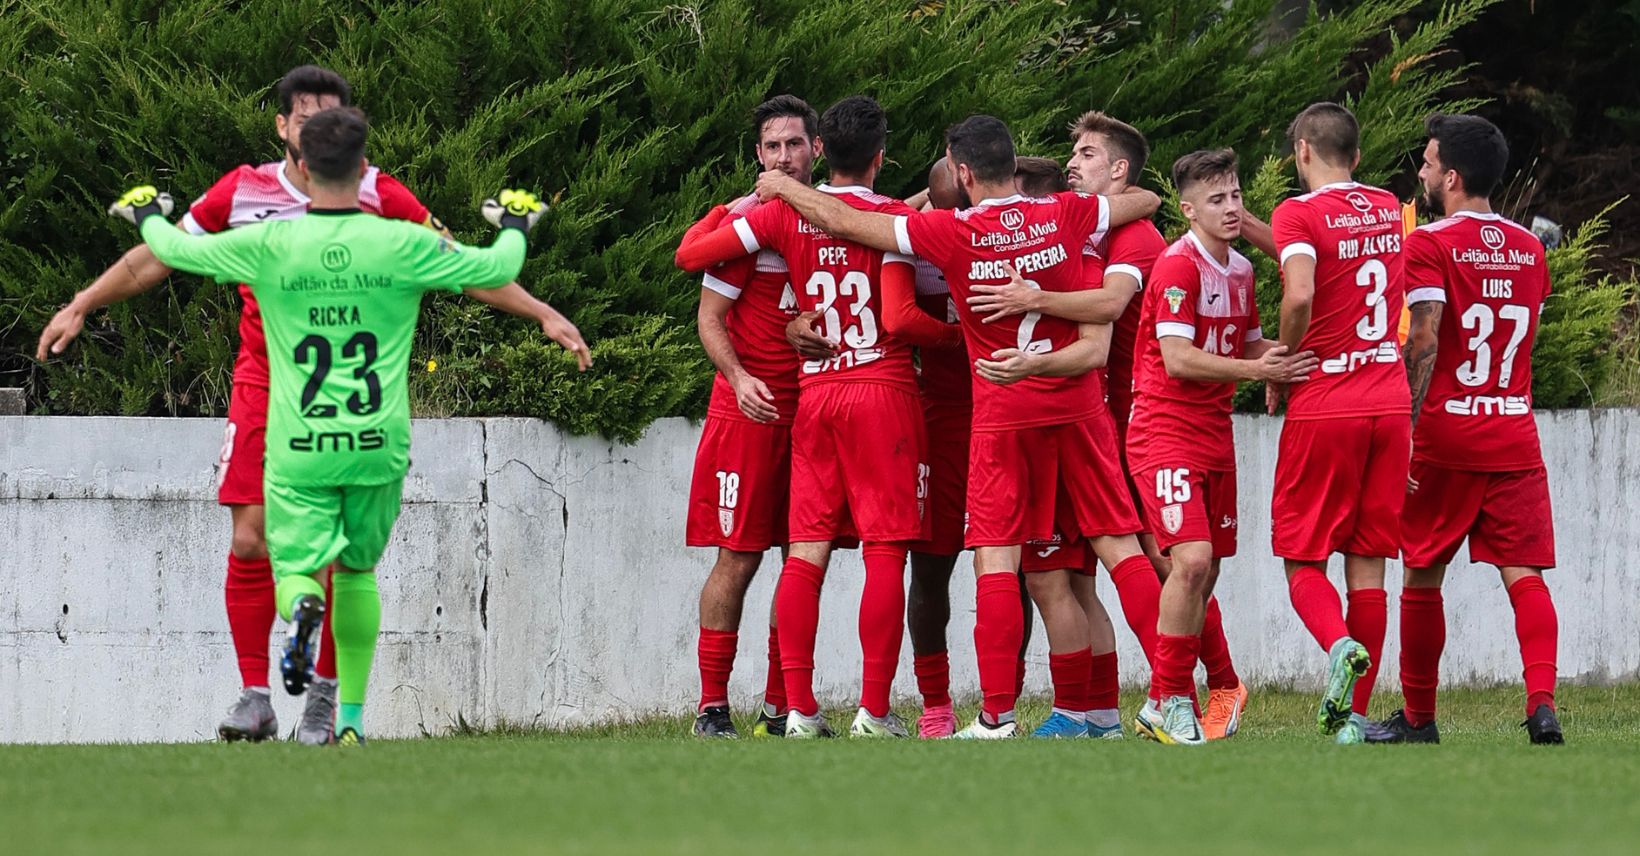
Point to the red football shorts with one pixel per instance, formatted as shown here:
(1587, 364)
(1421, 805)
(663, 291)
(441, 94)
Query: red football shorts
(1505, 515)
(947, 481)
(1059, 553)
(1340, 485)
(244, 442)
(1186, 504)
(742, 482)
(858, 464)
(1022, 482)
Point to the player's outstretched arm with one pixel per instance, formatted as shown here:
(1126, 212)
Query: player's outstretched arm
(709, 243)
(1135, 203)
(434, 261)
(1087, 306)
(1011, 365)
(136, 272)
(1264, 360)
(514, 300)
(234, 256)
(904, 318)
(836, 217)
(1257, 232)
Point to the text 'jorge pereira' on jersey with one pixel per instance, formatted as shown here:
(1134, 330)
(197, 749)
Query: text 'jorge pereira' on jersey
(339, 293)
(1042, 238)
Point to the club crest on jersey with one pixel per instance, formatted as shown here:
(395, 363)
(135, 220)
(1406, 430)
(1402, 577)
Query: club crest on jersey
(1172, 518)
(1492, 237)
(1013, 219)
(1359, 201)
(726, 521)
(1174, 296)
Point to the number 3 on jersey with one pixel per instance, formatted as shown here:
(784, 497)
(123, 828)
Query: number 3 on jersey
(316, 349)
(825, 286)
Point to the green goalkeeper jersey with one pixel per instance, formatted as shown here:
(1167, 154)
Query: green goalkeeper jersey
(339, 294)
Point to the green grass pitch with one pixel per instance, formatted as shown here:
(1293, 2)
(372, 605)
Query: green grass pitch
(1277, 787)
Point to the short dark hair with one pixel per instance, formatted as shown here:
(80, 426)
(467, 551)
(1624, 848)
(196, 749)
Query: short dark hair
(782, 106)
(984, 145)
(333, 143)
(1039, 176)
(1125, 140)
(853, 131)
(1330, 129)
(310, 80)
(1204, 165)
(1472, 147)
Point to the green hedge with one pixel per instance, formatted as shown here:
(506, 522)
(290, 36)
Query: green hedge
(635, 116)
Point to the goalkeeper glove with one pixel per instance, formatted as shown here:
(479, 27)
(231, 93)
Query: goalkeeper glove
(517, 209)
(140, 203)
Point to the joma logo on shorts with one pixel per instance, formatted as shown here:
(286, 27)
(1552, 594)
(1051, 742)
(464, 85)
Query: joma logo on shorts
(339, 441)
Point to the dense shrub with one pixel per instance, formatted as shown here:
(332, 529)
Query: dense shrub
(634, 115)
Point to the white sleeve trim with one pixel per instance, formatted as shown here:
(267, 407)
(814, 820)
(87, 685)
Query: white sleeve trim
(902, 234)
(1165, 329)
(720, 286)
(899, 257)
(1425, 293)
(1104, 221)
(190, 225)
(1254, 335)
(1300, 248)
(747, 239)
(1130, 270)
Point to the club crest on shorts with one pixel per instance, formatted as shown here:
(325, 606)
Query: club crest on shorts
(1172, 518)
(726, 521)
(1175, 298)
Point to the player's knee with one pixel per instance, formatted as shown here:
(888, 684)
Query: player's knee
(736, 568)
(249, 543)
(1194, 572)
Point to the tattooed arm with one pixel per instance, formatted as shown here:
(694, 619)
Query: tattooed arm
(1422, 341)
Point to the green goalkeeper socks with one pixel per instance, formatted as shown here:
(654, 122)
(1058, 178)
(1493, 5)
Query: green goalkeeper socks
(355, 619)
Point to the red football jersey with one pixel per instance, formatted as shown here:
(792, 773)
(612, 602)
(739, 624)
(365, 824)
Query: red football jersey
(764, 304)
(1043, 239)
(1131, 248)
(1214, 306)
(252, 194)
(1492, 276)
(1353, 232)
(839, 279)
(942, 373)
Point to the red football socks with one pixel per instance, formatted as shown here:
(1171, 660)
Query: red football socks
(882, 623)
(1104, 688)
(326, 667)
(1070, 673)
(1423, 636)
(999, 626)
(774, 687)
(248, 594)
(1538, 630)
(1174, 673)
(1318, 606)
(1367, 619)
(1140, 591)
(716, 652)
(933, 678)
(1221, 671)
(797, 610)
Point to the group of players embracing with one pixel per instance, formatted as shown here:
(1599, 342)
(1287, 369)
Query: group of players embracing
(1068, 406)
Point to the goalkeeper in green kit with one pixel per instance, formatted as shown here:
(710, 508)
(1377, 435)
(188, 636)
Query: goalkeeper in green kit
(340, 291)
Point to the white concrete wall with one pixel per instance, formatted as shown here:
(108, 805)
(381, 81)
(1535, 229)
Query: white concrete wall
(540, 579)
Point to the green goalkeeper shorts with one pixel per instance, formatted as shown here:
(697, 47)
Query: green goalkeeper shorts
(310, 527)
